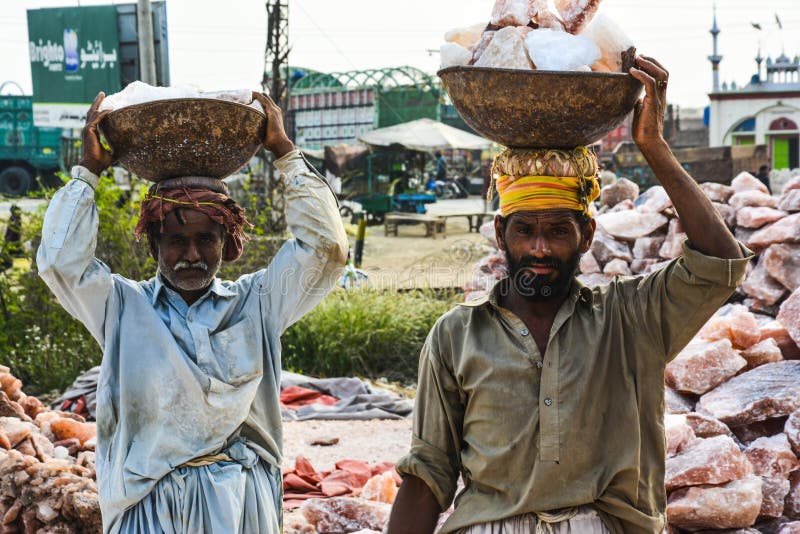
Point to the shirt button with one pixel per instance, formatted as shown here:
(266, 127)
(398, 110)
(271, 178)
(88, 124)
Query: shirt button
(539, 365)
(524, 332)
(548, 401)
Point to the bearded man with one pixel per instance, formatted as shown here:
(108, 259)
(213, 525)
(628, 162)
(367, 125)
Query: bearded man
(547, 396)
(188, 416)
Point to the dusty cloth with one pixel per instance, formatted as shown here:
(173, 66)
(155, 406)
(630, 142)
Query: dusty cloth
(581, 520)
(530, 180)
(349, 476)
(160, 202)
(581, 424)
(178, 382)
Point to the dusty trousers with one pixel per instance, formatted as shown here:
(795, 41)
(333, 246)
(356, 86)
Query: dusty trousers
(581, 520)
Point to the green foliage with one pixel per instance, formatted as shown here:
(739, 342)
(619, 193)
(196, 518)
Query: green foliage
(364, 333)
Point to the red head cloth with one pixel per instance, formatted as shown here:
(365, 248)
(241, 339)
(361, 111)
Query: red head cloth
(218, 207)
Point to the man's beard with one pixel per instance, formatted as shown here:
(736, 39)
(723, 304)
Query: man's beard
(171, 274)
(536, 287)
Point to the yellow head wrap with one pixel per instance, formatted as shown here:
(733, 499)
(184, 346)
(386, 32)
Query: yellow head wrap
(544, 179)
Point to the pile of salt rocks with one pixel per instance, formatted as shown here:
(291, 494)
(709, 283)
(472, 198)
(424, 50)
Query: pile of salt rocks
(47, 471)
(733, 394)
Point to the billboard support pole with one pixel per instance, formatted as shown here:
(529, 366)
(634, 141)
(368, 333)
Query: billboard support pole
(147, 55)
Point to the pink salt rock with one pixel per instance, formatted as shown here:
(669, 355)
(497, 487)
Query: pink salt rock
(647, 247)
(483, 44)
(676, 402)
(345, 514)
(506, 51)
(631, 225)
(732, 505)
(511, 13)
(792, 184)
(752, 199)
(747, 182)
(622, 189)
(717, 192)
(790, 201)
(654, 200)
(773, 492)
(776, 331)
(678, 433)
(743, 235)
(763, 352)
(786, 230)
(704, 426)
(792, 430)
(792, 500)
(576, 14)
(617, 267)
(751, 217)
(641, 266)
(702, 366)
(713, 460)
(380, 488)
(771, 390)
(733, 322)
(789, 316)
(782, 262)
(673, 244)
(605, 248)
(772, 456)
(625, 205)
(727, 213)
(760, 285)
(588, 264)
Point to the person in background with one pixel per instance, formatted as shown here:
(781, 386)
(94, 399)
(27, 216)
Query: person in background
(763, 177)
(607, 175)
(441, 166)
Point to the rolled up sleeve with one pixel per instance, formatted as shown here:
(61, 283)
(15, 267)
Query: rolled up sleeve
(675, 302)
(438, 420)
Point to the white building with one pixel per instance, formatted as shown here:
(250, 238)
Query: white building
(766, 111)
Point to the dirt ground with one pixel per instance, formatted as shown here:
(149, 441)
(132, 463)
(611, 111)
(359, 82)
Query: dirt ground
(412, 260)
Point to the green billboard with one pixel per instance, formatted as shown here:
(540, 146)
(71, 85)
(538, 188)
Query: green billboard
(74, 54)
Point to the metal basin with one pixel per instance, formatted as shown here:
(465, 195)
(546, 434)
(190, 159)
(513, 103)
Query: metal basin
(535, 108)
(184, 137)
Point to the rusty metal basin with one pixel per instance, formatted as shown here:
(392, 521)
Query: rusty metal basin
(184, 137)
(535, 108)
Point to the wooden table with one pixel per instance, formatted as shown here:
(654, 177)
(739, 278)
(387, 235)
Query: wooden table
(475, 219)
(434, 225)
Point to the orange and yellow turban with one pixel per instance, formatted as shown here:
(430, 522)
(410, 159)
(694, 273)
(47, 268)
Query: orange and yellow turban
(544, 179)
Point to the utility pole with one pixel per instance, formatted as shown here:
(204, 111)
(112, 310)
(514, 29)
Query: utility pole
(147, 54)
(275, 81)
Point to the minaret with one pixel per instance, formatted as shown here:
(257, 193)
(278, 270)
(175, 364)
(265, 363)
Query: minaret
(759, 61)
(716, 58)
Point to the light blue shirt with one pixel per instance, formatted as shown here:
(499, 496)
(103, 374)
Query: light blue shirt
(176, 381)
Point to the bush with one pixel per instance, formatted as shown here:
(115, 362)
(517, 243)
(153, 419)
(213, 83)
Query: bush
(377, 334)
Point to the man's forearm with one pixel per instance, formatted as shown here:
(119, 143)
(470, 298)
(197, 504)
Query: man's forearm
(700, 220)
(415, 510)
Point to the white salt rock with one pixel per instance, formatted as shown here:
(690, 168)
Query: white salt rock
(454, 55)
(511, 13)
(60, 453)
(506, 51)
(617, 267)
(752, 198)
(678, 433)
(466, 37)
(611, 41)
(588, 264)
(675, 402)
(631, 225)
(647, 247)
(555, 50)
(139, 92)
(654, 200)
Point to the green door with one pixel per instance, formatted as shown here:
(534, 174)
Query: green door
(780, 153)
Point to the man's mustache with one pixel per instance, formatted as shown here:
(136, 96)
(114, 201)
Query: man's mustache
(181, 265)
(529, 262)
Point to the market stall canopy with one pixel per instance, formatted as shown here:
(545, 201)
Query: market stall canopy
(425, 135)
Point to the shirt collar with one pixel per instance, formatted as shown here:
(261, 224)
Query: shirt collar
(216, 288)
(578, 292)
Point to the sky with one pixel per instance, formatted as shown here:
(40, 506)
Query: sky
(219, 45)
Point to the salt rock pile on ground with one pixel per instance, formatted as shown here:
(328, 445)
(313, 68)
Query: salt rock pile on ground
(526, 34)
(47, 472)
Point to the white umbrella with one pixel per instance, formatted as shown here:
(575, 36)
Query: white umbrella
(425, 135)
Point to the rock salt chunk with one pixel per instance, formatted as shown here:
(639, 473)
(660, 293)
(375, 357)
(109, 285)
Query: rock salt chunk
(592, 280)
(792, 527)
(588, 264)
(676, 402)
(556, 50)
(786, 230)
(773, 491)
(760, 285)
(706, 427)
(792, 500)
(753, 217)
(639, 266)
(776, 331)
(673, 244)
(622, 189)
(752, 199)
(605, 248)
(771, 390)
(654, 200)
(611, 41)
(511, 13)
(482, 45)
(617, 268)
(747, 434)
(790, 185)
(790, 201)
(345, 514)
(380, 488)
(717, 192)
(727, 213)
(466, 37)
(734, 322)
(625, 205)
(732, 505)
(747, 182)
(648, 247)
(792, 430)
(700, 367)
(454, 55)
(789, 316)
(772, 457)
(505, 51)
(782, 262)
(678, 433)
(577, 14)
(763, 352)
(714, 460)
(631, 225)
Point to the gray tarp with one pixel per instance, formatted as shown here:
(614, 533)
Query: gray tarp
(425, 135)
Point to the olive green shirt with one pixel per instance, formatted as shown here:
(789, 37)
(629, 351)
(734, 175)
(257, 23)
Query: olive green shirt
(581, 424)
